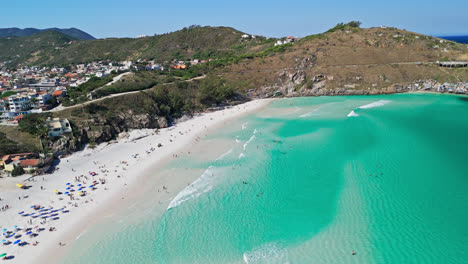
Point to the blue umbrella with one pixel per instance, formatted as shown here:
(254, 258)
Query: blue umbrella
(68, 188)
(28, 233)
(17, 241)
(3, 241)
(80, 189)
(68, 183)
(79, 184)
(4, 229)
(91, 186)
(21, 212)
(66, 193)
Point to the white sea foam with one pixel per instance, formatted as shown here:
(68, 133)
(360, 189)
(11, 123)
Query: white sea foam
(241, 155)
(224, 155)
(198, 187)
(375, 104)
(270, 253)
(250, 139)
(244, 125)
(309, 113)
(371, 105)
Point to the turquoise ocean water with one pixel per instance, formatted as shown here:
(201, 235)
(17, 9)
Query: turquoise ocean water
(309, 180)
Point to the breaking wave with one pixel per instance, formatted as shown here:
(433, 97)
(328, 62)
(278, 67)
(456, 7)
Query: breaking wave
(250, 139)
(371, 105)
(198, 187)
(375, 104)
(244, 125)
(352, 113)
(224, 155)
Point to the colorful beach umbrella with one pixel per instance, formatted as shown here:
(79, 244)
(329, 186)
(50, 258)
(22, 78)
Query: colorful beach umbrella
(19, 185)
(2, 255)
(21, 212)
(17, 241)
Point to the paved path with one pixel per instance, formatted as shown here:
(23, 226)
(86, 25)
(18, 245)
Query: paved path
(61, 107)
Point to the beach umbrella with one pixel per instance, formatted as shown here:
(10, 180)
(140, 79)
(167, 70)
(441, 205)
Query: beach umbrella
(68, 188)
(2, 255)
(28, 233)
(4, 229)
(91, 186)
(79, 184)
(66, 193)
(15, 226)
(17, 241)
(55, 191)
(21, 212)
(19, 185)
(68, 183)
(3, 241)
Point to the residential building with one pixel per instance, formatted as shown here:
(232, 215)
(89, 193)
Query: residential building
(58, 126)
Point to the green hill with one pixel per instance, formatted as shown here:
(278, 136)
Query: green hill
(192, 42)
(26, 49)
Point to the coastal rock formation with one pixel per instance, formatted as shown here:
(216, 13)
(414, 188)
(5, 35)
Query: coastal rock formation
(101, 129)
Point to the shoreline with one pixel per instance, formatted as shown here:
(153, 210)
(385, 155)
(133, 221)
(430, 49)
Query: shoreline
(106, 160)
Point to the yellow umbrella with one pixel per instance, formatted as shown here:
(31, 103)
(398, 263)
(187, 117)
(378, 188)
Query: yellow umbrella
(79, 193)
(55, 191)
(20, 185)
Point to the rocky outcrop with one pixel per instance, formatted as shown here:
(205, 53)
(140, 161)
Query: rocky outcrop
(101, 129)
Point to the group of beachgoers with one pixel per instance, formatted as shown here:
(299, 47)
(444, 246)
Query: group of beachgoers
(80, 188)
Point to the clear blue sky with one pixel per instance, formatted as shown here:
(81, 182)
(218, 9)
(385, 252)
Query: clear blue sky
(273, 18)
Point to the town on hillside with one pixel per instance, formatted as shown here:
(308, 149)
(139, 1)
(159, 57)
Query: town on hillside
(37, 89)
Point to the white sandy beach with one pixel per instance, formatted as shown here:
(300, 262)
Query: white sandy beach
(124, 164)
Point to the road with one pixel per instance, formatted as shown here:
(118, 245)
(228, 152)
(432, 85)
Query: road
(61, 108)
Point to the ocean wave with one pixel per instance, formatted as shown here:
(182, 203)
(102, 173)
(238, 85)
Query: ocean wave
(224, 155)
(375, 104)
(352, 113)
(241, 155)
(309, 113)
(244, 125)
(198, 187)
(371, 105)
(268, 253)
(250, 139)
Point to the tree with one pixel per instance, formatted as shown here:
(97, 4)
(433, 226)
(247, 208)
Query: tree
(214, 89)
(33, 124)
(17, 171)
(51, 102)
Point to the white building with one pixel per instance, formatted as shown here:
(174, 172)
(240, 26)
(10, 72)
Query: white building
(58, 126)
(19, 103)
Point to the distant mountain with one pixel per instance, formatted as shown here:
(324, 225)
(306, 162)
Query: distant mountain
(24, 49)
(18, 32)
(459, 39)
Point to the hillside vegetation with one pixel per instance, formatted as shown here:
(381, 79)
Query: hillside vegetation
(193, 42)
